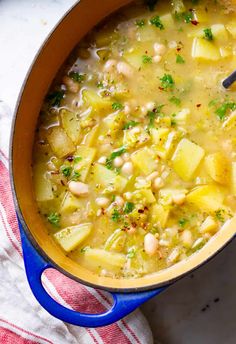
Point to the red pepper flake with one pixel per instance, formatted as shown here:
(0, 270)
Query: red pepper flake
(140, 211)
(178, 49)
(70, 158)
(161, 88)
(194, 22)
(198, 105)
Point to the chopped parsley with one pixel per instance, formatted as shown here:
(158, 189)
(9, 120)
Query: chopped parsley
(83, 249)
(213, 102)
(223, 109)
(66, 170)
(77, 77)
(115, 215)
(220, 215)
(54, 219)
(156, 21)
(152, 115)
(113, 155)
(100, 84)
(146, 59)
(75, 176)
(187, 17)
(140, 22)
(117, 106)
(77, 159)
(179, 59)
(167, 82)
(182, 222)
(175, 100)
(208, 34)
(55, 98)
(128, 208)
(130, 124)
(131, 253)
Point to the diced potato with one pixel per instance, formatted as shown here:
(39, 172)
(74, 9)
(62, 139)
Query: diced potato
(70, 203)
(144, 196)
(135, 137)
(71, 237)
(159, 135)
(208, 225)
(70, 124)
(230, 122)
(98, 104)
(233, 177)
(160, 214)
(146, 33)
(145, 160)
(217, 165)
(205, 50)
(116, 241)
(220, 33)
(206, 197)
(115, 121)
(59, 142)
(167, 21)
(83, 166)
(134, 55)
(231, 27)
(187, 158)
(182, 117)
(90, 137)
(42, 185)
(108, 179)
(98, 259)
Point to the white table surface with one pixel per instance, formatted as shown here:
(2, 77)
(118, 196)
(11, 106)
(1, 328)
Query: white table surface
(199, 309)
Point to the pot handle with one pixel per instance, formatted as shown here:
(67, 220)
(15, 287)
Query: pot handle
(123, 304)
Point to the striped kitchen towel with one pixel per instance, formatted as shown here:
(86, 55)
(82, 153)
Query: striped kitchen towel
(22, 319)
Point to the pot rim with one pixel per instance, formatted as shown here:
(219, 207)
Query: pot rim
(23, 223)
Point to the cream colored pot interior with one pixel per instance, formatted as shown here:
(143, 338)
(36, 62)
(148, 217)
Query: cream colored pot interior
(72, 28)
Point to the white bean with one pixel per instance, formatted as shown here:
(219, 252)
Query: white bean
(150, 244)
(109, 65)
(150, 106)
(125, 156)
(79, 188)
(127, 168)
(118, 161)
(157, 58)
(158, 183)
(102, 160)
(159, 48)
(102, 201)
(125, 69)
(179, 198)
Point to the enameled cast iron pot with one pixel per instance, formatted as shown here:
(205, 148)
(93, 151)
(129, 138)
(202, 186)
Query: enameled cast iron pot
(40, 251)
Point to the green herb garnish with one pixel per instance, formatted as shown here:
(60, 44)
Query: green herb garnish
(222, 110)
(100, 84)
(156, 21)
(77, 77)
(128, 208)
(77, 159)
(66, 170)
(167, 82)
(130, 124)
(220, 215)
(131, 253)
(117, 106)
(152, 115)
(140, 22)
(75, 176)
(55, 98)
(182, 222)
(208, 34)
(115, 215)
(187, 17)
(175, 100)
(179, 59)
(113, 155)
(54, 219)
(146, 59)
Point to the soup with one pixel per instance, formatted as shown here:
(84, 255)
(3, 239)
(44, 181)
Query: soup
(134, 162)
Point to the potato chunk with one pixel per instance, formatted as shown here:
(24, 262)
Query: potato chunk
(70, 203)
(98, 259)
(98, 104)
(108, 179)
(204, 50)
(187, 158)
(70, 124)
(87, 155)
(208, 225)
(206, 197)
(71, 237)
(218, 168)
(145, 160)
(42, 185)
(60, 143)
